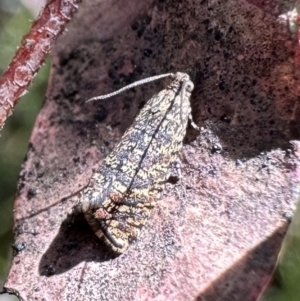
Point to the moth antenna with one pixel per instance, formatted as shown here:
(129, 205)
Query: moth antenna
(137, 83)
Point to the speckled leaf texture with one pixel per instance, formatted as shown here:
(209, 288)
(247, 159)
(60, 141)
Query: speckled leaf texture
(215, 234)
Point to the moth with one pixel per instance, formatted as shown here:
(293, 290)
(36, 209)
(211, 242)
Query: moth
(120, 195)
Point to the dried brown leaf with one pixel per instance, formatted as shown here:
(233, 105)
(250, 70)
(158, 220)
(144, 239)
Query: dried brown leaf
(220, 241)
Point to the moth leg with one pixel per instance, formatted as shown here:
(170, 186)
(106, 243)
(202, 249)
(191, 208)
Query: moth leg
(133, 198)
(193, 124)
(118, 225)
(175, 173)
(89, 216)
(128, 222)
(101, 227)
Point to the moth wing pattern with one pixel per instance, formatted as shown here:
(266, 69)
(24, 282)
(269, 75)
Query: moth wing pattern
(118, 201)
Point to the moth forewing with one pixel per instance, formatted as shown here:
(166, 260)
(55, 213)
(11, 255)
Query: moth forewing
(124, 189)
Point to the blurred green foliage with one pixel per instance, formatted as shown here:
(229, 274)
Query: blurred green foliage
(284, 285)
(14, 23)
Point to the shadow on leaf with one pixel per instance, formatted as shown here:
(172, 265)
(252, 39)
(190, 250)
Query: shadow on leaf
(74, 243)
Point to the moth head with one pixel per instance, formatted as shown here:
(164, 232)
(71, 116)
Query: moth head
(189, 86)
